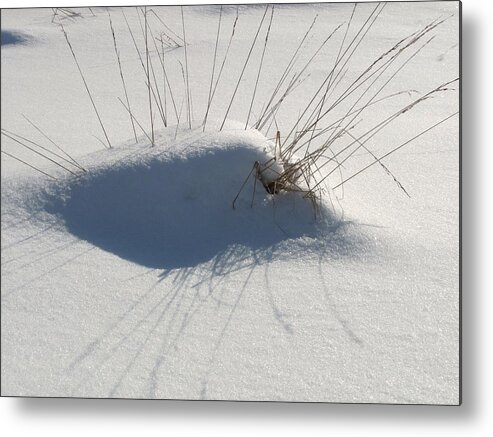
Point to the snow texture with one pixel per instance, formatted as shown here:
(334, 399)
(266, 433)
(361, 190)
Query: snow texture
(137, 278)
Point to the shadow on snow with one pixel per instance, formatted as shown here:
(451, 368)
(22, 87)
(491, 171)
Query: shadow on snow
(173, 213)
(9, 37)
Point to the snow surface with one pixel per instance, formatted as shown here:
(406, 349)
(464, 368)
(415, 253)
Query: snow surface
(138, 279)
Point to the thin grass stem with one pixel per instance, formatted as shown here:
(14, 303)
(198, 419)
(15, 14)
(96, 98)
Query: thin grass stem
(286, 71)
(56, 145)
(29, 165)
(151, 119)
(41, 147)
(37, 153)
(224, 61)
(213, 68)
(244, 68)
(138, 124)
(395, 149)
(260, 67)
(189, 103)
(86, 86)
(117, 53)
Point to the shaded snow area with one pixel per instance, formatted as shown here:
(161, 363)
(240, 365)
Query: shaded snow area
(154, 204)
(164, 268)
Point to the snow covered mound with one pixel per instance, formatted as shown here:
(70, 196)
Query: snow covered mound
(170, 205)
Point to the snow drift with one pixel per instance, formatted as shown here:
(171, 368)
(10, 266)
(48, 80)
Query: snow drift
(169, 206)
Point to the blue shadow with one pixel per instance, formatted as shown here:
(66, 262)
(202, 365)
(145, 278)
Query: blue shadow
(177, 213)
(12, 38)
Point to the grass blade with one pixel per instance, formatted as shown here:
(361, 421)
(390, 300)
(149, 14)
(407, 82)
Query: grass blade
(29, 165)
(85, 85)
(244, 67)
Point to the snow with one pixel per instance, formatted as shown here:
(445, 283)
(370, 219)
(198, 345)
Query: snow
(138, 278)
(143, 206)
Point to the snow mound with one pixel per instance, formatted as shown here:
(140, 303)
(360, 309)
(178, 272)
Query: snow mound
(170, 205)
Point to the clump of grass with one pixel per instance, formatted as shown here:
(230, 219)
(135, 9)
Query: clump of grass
(315, 147)
(304, 174)
(307, 170)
